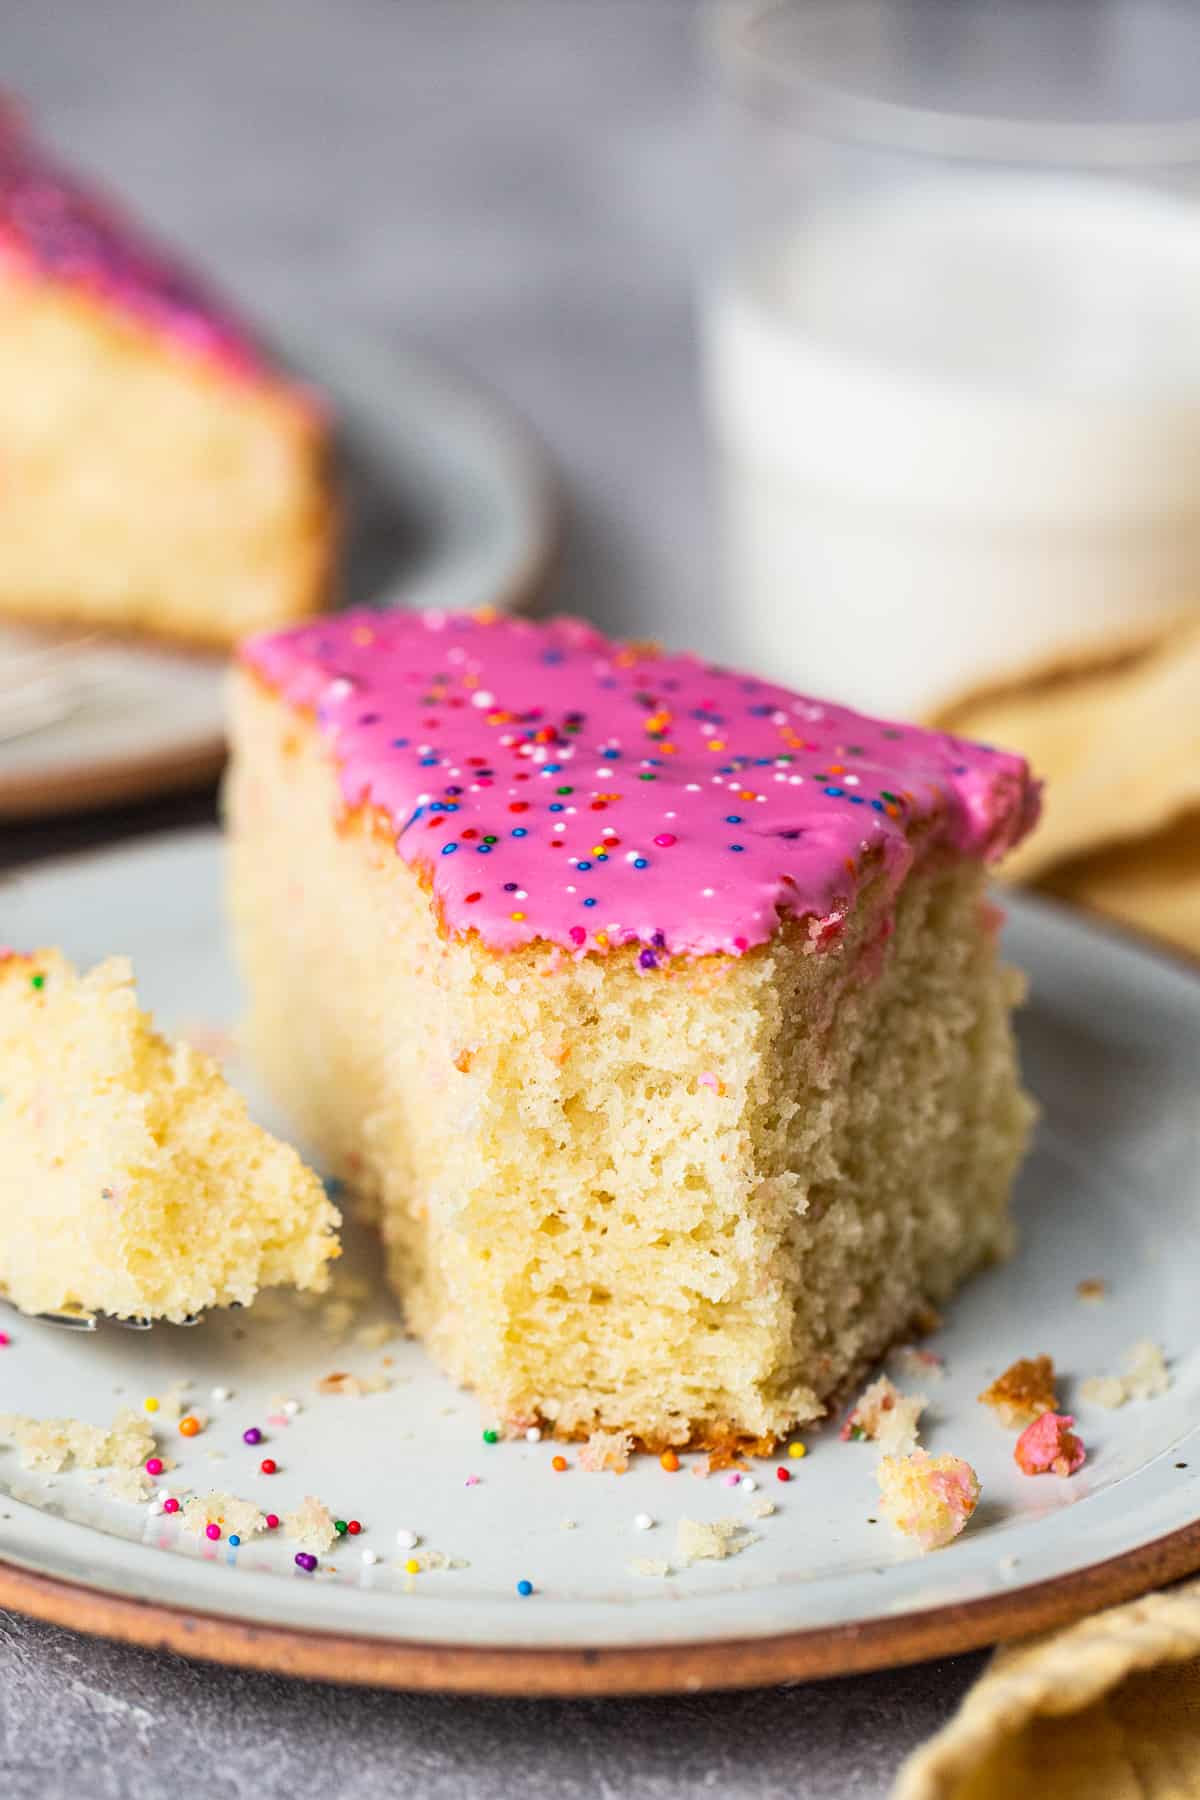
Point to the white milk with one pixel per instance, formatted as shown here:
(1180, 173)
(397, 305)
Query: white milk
(960, 435)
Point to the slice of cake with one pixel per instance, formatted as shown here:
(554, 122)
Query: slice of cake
(158, 473)
(131, 1180)
(656, 1010)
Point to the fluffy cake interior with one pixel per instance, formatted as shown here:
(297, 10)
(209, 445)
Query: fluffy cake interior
(144, 488)
(690, 1203)
(132, 1181)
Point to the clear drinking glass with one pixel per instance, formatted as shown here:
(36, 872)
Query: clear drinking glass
(953, 345)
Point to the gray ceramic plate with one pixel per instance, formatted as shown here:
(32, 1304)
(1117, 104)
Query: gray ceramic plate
(448, 503)
(1112, 1048)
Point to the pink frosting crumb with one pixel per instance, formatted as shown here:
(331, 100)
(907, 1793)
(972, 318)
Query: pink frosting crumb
(1049, 1446)
(958, 1489)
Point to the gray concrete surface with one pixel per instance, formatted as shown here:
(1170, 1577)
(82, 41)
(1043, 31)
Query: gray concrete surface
(79, 1718)
(526, 188)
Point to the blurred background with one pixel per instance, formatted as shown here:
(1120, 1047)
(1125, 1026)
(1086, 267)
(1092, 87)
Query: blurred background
(856, 342)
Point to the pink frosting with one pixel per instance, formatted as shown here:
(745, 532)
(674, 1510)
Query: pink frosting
(1049, 1446)
(54, 225)
(553, 784)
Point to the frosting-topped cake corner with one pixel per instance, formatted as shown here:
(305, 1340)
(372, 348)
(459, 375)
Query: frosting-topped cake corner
(57, 226)
(553, 784)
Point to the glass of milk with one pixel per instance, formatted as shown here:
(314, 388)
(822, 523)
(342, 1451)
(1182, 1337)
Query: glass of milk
(952, 346)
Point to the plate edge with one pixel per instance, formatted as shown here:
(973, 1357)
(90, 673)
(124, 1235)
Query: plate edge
(567, 1672)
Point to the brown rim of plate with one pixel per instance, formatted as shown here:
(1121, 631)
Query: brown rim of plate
(564, 1672)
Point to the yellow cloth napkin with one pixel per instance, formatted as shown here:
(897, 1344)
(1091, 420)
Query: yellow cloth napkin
(1152, 884)
(1105, 1710)
(1118, 746)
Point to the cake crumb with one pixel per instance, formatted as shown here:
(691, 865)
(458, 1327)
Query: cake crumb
(241, 1517)
(1092, 1287)
(172, 1402)
(310, 1525)
(697, 1542)
(649, 1565)
(1024, 1391)
(1146, 1374)
(917, 1364)
(762, 1508)
(1049, 1447)
(731, 1453)
(929, 1498)
(438, 1559)
(885, 1416)
(1108, 1391)
(606, 1450)
(50, 1445)
(1146, 1377)
(340, 1382)
(133, 1485)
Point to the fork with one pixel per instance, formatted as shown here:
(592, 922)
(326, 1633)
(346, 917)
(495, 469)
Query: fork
(84, 1321)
